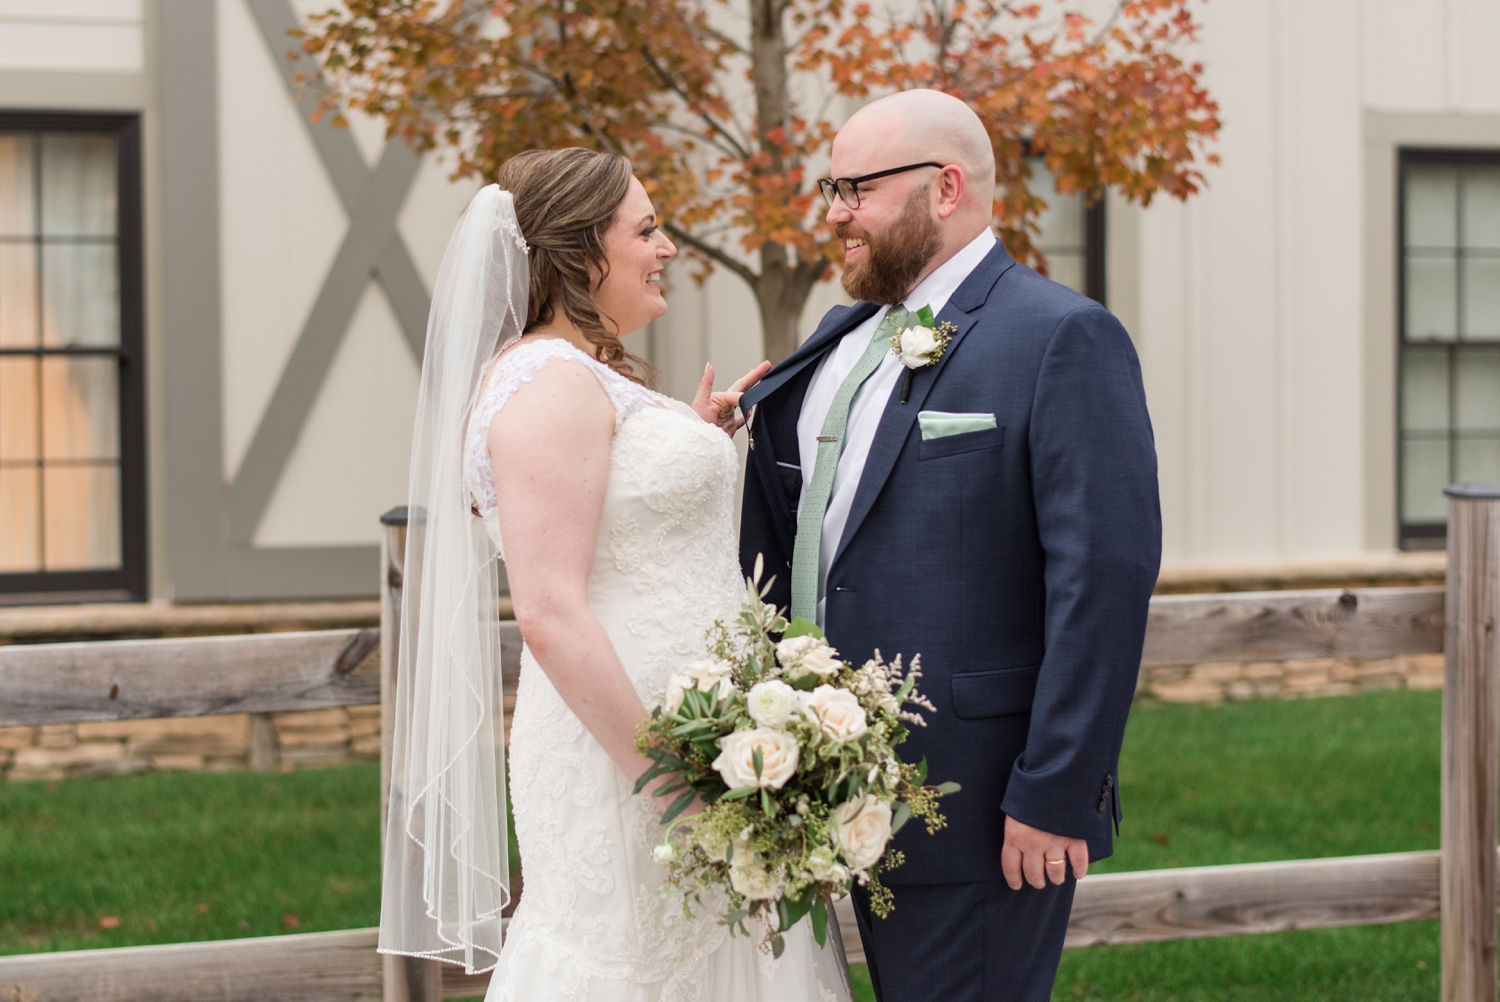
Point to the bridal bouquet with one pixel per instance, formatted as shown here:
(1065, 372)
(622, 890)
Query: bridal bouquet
(793, 751)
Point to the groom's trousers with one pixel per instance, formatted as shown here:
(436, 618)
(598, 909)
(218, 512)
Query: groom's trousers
(980, 942)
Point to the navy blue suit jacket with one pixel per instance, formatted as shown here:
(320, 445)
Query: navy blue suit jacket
(1018, 561)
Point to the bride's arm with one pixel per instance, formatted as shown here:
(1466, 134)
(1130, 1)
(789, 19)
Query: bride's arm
(550, 448)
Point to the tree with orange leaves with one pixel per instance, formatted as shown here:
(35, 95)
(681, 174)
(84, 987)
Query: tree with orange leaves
(724, 105)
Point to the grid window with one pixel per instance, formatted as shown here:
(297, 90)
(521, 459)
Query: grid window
(1072, 235)
(1450, 333)
(70, 386)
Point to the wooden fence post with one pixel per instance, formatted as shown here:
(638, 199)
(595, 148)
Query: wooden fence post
(1471, 745)
(406, 979)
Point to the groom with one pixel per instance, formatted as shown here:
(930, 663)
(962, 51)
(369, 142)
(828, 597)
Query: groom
(987, 499)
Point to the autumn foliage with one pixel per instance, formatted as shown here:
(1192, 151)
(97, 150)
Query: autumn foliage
(728, 107)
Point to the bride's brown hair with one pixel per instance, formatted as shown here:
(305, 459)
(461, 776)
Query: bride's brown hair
(566, 201)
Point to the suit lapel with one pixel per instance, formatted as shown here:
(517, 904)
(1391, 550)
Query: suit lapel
(774, 424)
(838, 323)
(962, 311)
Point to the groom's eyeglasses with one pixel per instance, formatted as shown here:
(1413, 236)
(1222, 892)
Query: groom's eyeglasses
(847, 188)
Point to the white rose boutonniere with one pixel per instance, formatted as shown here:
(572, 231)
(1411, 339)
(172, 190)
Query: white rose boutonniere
(923, 342)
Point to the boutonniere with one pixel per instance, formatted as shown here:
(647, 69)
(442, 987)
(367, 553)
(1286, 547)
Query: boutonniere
(921, 344)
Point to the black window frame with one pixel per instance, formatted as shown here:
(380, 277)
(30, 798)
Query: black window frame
(1094, 238)
(128, 582)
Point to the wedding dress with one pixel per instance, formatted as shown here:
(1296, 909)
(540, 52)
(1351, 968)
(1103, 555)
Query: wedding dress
(591, 924)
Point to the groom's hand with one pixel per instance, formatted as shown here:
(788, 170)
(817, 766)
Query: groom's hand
(1027, 850)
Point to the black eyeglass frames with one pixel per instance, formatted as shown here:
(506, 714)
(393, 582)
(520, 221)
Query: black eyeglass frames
(847, 188)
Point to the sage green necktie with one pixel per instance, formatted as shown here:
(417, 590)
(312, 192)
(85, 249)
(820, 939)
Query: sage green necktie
(806, 555)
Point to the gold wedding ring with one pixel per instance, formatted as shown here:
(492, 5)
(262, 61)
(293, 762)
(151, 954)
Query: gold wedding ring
(1056, 862)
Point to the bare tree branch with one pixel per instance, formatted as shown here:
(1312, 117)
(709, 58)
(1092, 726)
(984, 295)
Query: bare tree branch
(713, 253)
(708, 119)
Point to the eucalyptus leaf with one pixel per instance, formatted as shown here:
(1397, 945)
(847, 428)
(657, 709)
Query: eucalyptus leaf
(820, 922)
(738, 792)
(778, 945)
(800, 627)
(902, 815)
(948, 787)
(678, 806)
(926, 317)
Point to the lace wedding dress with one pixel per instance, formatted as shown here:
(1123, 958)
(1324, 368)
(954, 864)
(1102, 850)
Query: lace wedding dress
(590, 924)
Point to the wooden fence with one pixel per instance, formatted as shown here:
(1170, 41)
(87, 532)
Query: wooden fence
(118, 680)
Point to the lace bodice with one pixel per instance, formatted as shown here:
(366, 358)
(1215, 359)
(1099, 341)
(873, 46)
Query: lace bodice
(513, 368)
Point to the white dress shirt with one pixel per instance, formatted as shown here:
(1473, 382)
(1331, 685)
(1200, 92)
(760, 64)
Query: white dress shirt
(869, 400)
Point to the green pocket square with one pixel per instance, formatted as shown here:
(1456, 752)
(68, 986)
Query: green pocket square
(941, 424)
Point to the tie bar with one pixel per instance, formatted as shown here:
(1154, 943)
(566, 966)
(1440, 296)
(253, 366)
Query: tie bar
(828, 438)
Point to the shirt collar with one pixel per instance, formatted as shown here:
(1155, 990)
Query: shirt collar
(936, 289)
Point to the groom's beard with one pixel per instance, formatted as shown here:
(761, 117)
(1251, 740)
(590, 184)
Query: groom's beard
(893, 260)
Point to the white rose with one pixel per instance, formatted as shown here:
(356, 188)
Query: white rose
(663, 853)
(820, 862)
(771, 703)
(810, 654)
(671, 700)
(862, 828)
(917, 344)
(778, 758)
(837, 712)
(755, 882)
(710, 674)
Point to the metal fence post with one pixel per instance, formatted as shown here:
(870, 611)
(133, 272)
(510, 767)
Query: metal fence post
(1471, 744)
(406, 979)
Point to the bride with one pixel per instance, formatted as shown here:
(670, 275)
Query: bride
(612, 508)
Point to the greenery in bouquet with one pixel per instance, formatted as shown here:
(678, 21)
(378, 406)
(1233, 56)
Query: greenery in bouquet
(793, 751)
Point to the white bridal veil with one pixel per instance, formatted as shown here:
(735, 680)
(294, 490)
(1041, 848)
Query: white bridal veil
(446, 873)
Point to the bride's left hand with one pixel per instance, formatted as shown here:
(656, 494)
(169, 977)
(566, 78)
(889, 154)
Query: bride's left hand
(721, 408)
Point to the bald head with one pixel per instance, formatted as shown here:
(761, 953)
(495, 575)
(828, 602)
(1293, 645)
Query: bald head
(915, 125)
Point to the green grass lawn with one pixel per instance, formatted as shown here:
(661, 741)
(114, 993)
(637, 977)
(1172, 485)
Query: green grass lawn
(186, 857)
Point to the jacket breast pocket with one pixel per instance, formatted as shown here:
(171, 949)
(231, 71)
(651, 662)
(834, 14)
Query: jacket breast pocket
(954, 445)
(981, 694)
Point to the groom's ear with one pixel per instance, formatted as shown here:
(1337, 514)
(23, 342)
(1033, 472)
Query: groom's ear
(949, 187)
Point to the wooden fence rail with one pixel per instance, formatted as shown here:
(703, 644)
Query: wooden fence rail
(63, 683)
(279, 672)
(1110, 908)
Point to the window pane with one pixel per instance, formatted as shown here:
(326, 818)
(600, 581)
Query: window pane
(1066, 269)
(1424, 474)
(1481, 216)
(80, 295)
(1481, 296)
(17, 187)
(1424, 389)
(20, 539)
(1431, 297)
(1431, 206)
(17, 295)
(18, 438)
(1478, 391)
(1479, 460)
(81, 517)
(78, 185)
(80, 408)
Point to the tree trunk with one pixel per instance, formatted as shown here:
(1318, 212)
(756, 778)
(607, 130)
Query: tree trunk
(779, 290)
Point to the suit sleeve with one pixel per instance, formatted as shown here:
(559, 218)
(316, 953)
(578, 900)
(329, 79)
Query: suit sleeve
(1094, 484)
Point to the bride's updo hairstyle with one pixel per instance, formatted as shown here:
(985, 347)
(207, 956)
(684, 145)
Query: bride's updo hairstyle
(566, 201)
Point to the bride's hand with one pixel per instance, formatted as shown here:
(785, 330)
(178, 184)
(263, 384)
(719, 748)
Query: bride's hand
(719, 408)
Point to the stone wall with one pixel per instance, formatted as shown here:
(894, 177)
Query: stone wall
(1235, 681)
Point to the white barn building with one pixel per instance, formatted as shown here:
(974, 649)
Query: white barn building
(211, 310)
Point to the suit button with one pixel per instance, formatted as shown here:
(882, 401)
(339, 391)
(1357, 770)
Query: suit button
(1103, 804)
(1109, 781)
